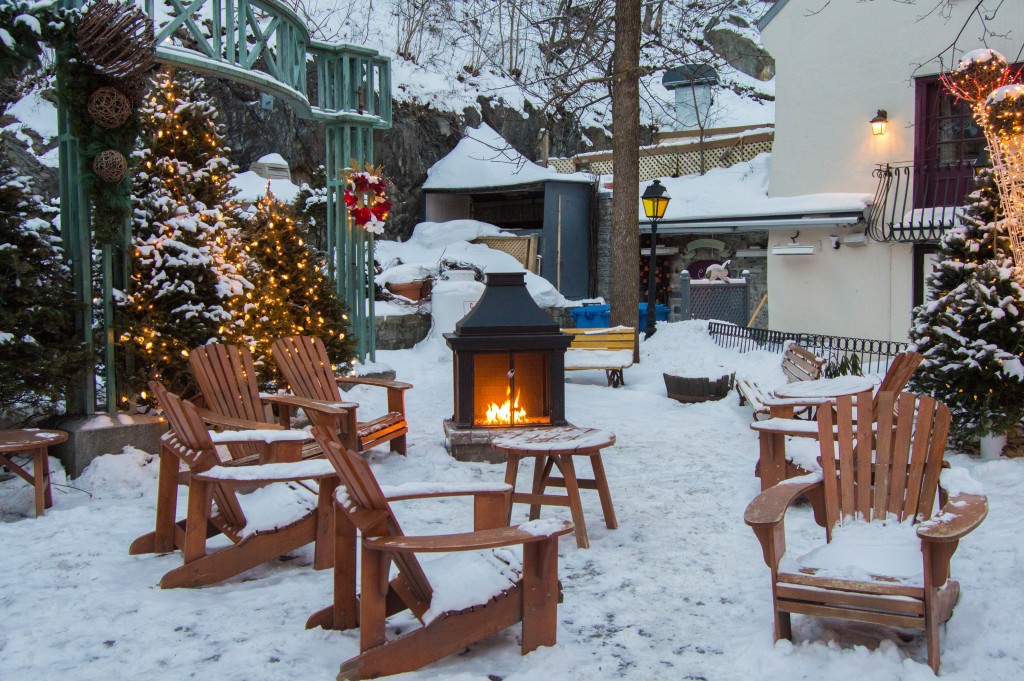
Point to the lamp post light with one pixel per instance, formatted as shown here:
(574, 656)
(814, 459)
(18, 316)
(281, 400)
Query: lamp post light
(655, 200)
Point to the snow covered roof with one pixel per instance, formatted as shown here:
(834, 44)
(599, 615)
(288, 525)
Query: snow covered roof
(273, 159)
(736, 198)
(251, 187)
(483, 159)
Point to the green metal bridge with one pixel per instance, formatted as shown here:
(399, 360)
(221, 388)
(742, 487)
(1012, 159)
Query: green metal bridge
(264, 44)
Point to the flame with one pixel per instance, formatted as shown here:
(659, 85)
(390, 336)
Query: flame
(506, 413)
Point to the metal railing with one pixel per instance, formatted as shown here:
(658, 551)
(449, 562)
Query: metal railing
(872, 356)
(918, 201)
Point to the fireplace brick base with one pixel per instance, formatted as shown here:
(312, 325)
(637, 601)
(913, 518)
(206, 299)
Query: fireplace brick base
(474, 444)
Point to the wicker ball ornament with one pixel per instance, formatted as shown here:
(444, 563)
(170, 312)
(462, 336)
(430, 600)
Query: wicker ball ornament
(109, 107)
(110, 166)
(134, 87)
(116, 38)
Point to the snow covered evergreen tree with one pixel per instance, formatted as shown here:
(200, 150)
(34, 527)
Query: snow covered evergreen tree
(310, 205)
(972, 331)
(40, 349)
(188, 263)
(291, 294)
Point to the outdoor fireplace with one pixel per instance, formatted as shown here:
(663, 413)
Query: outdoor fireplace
(509, 369)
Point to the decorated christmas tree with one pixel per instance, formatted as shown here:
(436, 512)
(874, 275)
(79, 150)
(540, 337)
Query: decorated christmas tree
(188, 263)
(291, 294)
(40, 349)
(971, 333)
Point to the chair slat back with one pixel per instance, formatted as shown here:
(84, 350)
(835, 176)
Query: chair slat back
(898, 375)
(306, 367)
(892, 475)
(190, 441)
(227, 378)
(364, 494)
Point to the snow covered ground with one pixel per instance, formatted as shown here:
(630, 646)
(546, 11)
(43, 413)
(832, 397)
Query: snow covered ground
(679, 591)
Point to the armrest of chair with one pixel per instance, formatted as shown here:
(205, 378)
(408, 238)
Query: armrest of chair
(332, 408)
(769, 507)
(492, 501)
(960, 515)
(431, 490)
(379, 382)
(533, 531)
(766, 513)
(312, 469)
(215, 419)
(264, 435)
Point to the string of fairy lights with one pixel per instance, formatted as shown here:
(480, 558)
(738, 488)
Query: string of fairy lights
(269, 282)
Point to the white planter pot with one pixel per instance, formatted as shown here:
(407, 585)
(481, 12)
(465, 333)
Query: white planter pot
(992, 445)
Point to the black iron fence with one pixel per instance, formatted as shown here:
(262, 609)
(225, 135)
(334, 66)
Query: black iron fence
(919, 201)
(841, 354)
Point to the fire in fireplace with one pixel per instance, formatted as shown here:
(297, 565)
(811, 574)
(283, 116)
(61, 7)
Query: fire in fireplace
(509, 367)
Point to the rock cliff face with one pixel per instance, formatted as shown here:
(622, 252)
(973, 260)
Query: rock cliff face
(418, 138)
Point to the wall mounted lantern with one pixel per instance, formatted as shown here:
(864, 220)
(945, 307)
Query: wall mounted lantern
(879, 122)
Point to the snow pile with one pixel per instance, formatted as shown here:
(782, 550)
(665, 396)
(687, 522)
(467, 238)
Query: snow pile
(742, 190)
(637, 604)
(433, 242)
(483, 159)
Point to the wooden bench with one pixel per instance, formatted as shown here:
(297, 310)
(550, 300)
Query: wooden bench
(608, 349)
(799, 364)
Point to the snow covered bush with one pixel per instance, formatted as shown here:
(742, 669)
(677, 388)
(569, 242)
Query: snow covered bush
(39, 351)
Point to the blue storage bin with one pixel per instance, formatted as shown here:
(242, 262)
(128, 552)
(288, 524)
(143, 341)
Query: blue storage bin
(660, 314)
(591, 316)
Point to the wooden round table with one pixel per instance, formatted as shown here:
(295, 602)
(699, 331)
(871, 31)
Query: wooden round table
(35, 442)
(556, 447)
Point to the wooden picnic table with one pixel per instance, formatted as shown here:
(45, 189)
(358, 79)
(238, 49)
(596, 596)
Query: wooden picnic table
(35, 442)
(555, 447)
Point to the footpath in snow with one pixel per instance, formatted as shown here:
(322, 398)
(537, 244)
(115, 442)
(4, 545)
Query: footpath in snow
(679, 591)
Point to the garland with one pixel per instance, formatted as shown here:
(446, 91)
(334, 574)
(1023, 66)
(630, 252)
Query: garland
(367, 201)
(24, 31)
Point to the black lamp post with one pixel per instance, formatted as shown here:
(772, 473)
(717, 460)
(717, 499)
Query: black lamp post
(655, 201)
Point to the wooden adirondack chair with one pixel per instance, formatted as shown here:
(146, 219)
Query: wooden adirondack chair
(879, 490)
(227, 380)
(291, 515)
(435, 591)
(306, 367)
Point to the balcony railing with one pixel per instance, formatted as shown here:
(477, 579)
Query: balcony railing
(917, 202)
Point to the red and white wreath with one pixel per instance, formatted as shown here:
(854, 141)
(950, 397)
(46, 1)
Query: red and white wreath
(370, 212)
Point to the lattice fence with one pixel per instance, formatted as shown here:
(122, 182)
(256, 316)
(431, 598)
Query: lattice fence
(664, 162)
(724, 301)
(522, 248)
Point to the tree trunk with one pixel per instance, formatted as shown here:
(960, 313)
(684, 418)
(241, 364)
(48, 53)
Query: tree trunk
(625, 291)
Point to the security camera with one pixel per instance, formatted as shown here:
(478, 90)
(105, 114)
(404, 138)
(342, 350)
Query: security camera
(835, 241)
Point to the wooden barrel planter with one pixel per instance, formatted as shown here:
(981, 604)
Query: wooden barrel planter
(413, 290)
(698, 389)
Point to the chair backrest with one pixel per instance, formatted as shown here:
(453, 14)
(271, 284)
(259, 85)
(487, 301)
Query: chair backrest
(898, 375)
(800, 364)
(190, 441)
(892, 475)
(371, 514)
(227, 378)
(304, 363)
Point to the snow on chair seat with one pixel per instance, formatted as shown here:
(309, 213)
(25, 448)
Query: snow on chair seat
(281, 515)
(798, 364)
